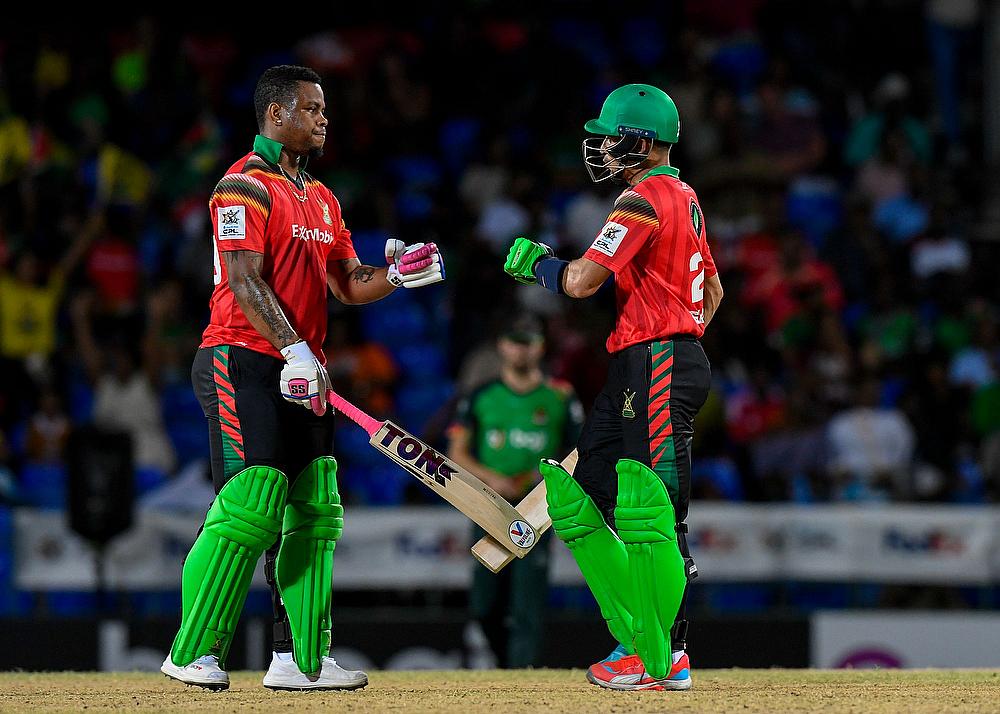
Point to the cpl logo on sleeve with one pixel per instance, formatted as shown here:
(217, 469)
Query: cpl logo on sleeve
(232, 222)
(610, 238)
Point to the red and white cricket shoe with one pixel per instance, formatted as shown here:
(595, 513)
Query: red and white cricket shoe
(627, 672)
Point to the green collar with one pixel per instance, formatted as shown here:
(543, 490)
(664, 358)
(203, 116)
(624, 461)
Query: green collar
(268, 148)
(271, 151)
(661, 171)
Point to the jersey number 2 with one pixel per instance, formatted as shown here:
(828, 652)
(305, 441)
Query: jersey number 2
(698, 284)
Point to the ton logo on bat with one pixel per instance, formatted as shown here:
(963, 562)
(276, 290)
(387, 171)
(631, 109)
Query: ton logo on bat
(415, 452)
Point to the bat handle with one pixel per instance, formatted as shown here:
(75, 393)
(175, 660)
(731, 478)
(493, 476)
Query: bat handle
(363, 420)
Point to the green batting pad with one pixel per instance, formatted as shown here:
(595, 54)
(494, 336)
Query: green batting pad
(645, 520)
(242, 523)
(598, 552)
(314, 520)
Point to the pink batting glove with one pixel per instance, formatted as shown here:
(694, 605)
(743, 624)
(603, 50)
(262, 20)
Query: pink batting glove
(418, 259)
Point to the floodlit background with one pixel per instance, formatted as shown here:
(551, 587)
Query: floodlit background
(847, 458)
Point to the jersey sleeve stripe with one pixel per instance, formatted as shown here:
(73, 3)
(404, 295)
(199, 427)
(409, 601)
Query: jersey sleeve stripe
(229, 197)
(247, 186)
(632, 206)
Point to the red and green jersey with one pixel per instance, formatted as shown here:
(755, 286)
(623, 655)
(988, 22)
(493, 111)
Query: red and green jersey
(256, 207)
(654, 242)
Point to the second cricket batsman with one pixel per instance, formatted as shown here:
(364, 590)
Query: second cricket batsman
(622, 513)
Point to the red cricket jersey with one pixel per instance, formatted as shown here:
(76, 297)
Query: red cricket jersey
(254, 207)
(654, 242)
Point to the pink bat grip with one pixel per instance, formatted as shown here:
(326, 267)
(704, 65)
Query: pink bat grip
(353, 413)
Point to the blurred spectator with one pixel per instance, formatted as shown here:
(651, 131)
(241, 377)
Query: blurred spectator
(755, 408)
(8, 481)
(784, 289)
(785, 130)
(831, 363)
(976, 364)
(939, 253)
(888, 331)
(48, 430)
(871, 449)
(113, 269)
(29, 304)
(890, 112)
(950, 27)
(170, 336)
(124, 396)
(363, 369)
(886, 175)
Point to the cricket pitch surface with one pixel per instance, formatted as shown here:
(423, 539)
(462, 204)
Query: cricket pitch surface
(541, 690)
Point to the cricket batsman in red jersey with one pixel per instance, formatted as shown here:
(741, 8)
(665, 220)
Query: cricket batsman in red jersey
(279, 243)
(622, 511)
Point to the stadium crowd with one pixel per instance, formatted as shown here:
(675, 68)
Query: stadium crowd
(856, 358)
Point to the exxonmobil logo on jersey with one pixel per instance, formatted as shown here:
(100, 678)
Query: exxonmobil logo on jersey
(308, 234)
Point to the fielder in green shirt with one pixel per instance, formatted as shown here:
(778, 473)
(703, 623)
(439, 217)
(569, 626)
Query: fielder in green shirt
(500, 432)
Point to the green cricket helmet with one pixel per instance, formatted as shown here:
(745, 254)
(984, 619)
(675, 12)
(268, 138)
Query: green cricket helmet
(630, 114)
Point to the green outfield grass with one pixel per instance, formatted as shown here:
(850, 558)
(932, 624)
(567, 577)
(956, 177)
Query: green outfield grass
(542, 691)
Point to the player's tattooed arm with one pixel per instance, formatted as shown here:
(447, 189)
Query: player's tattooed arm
(355, 284)
(256, 298)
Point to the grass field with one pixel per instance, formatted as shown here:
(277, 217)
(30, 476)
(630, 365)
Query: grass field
(542, 691)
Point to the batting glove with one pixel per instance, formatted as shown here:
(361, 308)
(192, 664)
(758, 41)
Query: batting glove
(413, 266)
(304, 379)
(522, 259)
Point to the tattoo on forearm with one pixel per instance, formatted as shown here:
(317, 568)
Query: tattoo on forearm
(262, 301)
(257, 299)
(363, 274)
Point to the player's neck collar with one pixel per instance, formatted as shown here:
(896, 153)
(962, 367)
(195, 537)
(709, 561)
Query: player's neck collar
(661, 171)
(270, 150)
(267, 148)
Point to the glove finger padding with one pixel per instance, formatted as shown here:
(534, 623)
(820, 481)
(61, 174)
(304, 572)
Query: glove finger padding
(417, 252)
(408, 268)
(420, 264)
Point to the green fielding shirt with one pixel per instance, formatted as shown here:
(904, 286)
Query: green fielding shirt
(510, 432)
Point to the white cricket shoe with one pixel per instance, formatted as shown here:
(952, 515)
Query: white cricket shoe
(203, 672)
(285, 674)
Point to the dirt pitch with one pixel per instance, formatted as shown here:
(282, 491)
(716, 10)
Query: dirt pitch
(541, 691)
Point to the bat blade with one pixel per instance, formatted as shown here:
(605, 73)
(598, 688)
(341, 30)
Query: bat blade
(491, 552)
(480, 503)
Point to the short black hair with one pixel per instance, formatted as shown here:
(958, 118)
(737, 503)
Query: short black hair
(277, 84)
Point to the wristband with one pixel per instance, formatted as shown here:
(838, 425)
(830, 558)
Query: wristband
(297, 353)
(549, 272)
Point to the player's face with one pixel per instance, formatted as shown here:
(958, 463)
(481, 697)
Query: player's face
(307, 121)
(521, 355)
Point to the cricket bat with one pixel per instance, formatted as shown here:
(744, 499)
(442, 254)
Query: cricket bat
(492, 552)
(457, 486)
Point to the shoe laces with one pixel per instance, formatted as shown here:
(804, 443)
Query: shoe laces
(207, 659)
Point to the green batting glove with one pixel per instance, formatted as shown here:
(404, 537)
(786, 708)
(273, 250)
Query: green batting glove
(522, 258)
